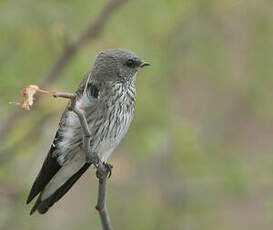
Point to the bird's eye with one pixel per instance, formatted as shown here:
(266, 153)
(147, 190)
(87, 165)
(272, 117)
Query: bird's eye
(130, 63)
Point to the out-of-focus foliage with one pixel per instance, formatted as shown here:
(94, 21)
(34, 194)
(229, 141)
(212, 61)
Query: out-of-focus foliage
(199, 154)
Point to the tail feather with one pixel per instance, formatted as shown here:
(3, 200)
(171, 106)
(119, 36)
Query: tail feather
(49, 169)
(43, 205)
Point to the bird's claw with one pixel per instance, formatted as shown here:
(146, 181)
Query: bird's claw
(104, 169)
(109, 168)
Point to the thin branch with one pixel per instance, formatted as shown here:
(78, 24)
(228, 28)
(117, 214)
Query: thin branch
(102, 169)
(85, 129)
(92, 31)
(102, 174)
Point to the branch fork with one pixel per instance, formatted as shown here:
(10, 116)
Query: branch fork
(103, 169)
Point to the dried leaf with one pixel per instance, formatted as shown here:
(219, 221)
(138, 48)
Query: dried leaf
(28, 94)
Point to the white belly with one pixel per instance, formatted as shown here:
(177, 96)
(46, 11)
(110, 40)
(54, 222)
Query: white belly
(108, 145)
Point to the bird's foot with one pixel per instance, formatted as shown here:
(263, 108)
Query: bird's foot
(104, 169)
(109, 168)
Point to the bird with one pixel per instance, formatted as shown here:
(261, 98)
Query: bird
(107, 96)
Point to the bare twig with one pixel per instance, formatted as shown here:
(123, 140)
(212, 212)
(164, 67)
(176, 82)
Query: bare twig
(92, 31)
(102, 174)
(86, 132)
(102, 169)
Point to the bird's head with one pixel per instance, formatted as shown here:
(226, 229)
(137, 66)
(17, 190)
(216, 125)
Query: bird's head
(116, 65)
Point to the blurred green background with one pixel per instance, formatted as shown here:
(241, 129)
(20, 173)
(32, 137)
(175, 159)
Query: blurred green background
(199, 153)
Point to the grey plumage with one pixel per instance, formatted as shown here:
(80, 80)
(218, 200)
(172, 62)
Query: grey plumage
(109, 105)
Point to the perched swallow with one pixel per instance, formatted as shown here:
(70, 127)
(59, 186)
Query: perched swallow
(109, 105)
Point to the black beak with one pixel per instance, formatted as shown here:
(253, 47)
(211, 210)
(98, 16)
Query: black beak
(144, 64)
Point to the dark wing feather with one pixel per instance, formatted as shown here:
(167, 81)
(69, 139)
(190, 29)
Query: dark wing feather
(43, 206)
(49, 169)
(50, 166)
